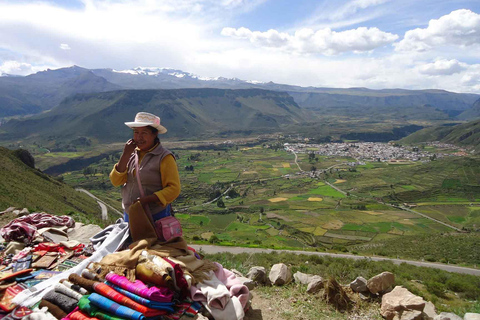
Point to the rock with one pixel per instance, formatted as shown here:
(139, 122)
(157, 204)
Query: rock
(471, 316)
(280, 274)
(430, 312)
(237, 273)
(359, 285)
(10, 209)
(23, 212)
(316, 284)
(302, 278)
(249, 283)
(398, 301)
(409, 315)
(257, 274)
(447, 316)
(381, 282)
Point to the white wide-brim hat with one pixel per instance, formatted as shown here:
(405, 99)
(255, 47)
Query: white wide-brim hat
(143, 119)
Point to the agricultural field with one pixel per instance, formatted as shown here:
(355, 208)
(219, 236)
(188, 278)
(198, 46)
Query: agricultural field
(258, 196)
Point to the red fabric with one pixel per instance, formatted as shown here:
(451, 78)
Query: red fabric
(24, 228)
(49, 247)
(107, 291)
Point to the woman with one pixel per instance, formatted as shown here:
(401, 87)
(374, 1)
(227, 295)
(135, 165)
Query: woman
(157, 168)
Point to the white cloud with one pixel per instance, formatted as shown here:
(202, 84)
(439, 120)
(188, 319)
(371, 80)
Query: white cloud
(17, 68)
(324, 41)
(64, 46)
(442, 67)
(459, 28)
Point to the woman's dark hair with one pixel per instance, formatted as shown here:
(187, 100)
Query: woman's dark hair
(154, 131)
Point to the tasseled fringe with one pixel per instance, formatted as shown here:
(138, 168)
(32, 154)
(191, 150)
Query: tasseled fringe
(201, 274)
(102, 270)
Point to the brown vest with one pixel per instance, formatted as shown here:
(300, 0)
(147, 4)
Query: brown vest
(150, 177)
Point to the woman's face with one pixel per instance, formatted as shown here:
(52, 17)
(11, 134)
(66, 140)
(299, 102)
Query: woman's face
(144, 138)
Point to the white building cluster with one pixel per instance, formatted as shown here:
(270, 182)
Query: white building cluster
(366, 151)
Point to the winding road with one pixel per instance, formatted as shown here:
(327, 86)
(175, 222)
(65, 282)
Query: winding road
(211, 249)
(103, 205)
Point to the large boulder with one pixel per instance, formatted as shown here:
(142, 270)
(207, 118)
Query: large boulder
(303, 278)
(316, 284)
(430, 311)
(381, 282)
(447, 316)
(280, 274)
(359, 285)
(399, 301)
(257, 274)
(471, 316)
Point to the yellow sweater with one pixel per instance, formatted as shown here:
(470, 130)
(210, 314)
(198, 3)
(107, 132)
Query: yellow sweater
(168, 171)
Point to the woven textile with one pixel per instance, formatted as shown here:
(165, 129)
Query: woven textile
(85, 305)
(109, 292)
(79, 315)
(168, 306)
(161, 294)
(114, 308)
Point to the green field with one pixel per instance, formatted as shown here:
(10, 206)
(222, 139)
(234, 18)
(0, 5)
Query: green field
(270, 204)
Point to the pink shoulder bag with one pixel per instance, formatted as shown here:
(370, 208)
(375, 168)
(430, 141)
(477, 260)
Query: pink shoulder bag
(165, 228)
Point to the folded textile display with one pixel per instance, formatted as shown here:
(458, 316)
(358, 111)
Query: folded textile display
(114, 240)
(67, 291)
(114, 308)
(107, 291)
(81, 281)
(65, 303)
(55, 310)
(93, 311)
(74, 287)
(168, 306)
(161, 294)
(79, 315)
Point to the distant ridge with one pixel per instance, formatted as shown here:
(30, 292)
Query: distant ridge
(185, 113)
(44, 90)
(467, 134)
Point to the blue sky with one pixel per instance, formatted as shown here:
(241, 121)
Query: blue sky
(412, 44)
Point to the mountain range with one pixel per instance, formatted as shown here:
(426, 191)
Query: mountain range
(71, 102)
(44, 90)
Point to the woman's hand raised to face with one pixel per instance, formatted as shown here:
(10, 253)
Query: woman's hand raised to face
(129, 147)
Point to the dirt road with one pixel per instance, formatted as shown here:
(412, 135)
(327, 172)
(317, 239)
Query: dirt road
(211, 249)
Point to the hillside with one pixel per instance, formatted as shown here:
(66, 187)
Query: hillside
(467, 134)
(472, 113)
(26, 187)
(185, 112)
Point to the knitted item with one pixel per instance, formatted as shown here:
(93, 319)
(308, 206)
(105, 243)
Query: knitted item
(67, 291)
(74, 287)
(109, 292)
(138, 287)
(66, 303)
(55, 310)
(81, 281)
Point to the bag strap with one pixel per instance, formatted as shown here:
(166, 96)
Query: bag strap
(140, 188)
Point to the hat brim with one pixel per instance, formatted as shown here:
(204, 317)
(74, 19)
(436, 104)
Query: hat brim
(161, 129)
